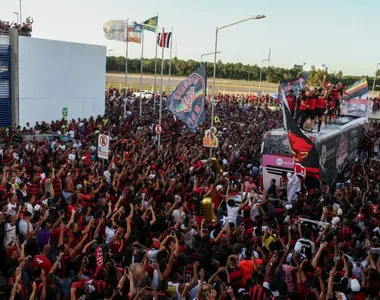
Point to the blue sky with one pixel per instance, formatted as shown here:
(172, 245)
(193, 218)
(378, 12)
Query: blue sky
(342, 34)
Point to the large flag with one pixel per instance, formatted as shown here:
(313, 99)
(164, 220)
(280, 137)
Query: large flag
(117, 30)
(305, 155)
(152, 24)
(293, 84)
(358, 90)
(163, 39)
(356, 100)
(188, 99)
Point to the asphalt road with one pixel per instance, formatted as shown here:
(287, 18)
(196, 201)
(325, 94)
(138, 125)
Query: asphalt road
(222, 84)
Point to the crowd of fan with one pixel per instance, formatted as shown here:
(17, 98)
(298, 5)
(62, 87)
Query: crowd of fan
(132, 227)
(24, 29)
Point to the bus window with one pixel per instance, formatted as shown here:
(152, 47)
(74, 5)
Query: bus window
(276, 144)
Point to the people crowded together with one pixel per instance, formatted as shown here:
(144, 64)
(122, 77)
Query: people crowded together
(166, 222)
(24, 29)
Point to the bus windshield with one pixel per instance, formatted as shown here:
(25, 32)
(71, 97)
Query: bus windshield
(276, 144)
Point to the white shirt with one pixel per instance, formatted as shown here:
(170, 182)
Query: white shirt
(188, 236)
(63, 147)
(110, 232)
(29, 208)
(10, 234)
(107, 175)
(12, 209)
(175, 216)
(71, 156)
(232, 213)
(23, 227)
(77, 145)
(72, 133)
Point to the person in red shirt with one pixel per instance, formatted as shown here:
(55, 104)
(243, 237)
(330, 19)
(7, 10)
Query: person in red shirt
(291, 101)
(310, 108)
(320, 106)
(303, 106)
(337, 93)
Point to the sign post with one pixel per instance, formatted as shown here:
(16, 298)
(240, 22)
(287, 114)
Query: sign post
(65, 113)
(103, 146)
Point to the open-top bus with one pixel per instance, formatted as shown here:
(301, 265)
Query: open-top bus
(336, 144)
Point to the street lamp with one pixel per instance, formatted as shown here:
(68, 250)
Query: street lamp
(215, 52)
(17, 14)
(374, 80)
(261, 70)
(205, 54)
(20, 12)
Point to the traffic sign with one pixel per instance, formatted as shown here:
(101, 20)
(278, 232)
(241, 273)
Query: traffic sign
(103, 140)
(158, 129)
(103, 146)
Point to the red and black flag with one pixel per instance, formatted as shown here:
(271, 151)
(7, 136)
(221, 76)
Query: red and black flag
(305, 155)
(163, 39)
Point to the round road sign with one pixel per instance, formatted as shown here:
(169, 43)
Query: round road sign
(158, 129)
(103, 140)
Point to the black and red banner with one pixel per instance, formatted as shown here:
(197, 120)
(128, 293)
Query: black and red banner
(304, 152)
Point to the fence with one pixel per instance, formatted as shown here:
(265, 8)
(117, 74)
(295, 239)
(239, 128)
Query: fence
(5, 32)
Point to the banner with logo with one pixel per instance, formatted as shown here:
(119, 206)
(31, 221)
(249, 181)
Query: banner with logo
(188, 99)
(305, 155)
(356, 100)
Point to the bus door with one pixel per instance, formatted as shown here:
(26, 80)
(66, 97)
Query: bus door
(276, 158)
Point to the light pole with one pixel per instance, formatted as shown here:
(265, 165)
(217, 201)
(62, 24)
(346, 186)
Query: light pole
(261, 70)
(20, 13)
(17, 14)
(374, 80)
(215, 52)
(205, 54)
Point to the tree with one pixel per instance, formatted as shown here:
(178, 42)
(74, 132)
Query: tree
(229, 70)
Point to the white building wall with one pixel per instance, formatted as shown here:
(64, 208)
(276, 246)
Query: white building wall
(56, 75)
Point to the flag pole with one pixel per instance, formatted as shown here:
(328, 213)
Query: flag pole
(141, 69)
(170, 61)
(162, 83)
(155, 71)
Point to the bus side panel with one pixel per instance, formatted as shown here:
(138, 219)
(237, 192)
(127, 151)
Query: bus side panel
(327, 158)
(352, 136)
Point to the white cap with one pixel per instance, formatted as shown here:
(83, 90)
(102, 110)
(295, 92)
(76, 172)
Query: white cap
(335, 221)
(79, 186)
(340, 212)
(219, 187)
(355, 285)
(37, 207)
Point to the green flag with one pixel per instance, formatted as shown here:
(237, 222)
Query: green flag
(151, 24)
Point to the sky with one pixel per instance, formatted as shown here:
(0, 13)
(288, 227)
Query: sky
(342, 34)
